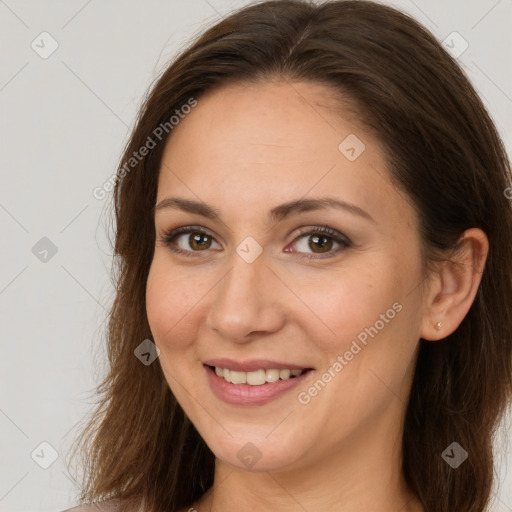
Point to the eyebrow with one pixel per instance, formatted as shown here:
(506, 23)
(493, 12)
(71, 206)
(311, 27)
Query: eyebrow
(277, 213)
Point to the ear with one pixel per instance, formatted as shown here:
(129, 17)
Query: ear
(453, 286)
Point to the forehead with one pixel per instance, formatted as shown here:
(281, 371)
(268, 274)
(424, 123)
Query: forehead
(272, 142)
(289, 125)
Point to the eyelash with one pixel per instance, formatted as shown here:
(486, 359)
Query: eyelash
(345, 242)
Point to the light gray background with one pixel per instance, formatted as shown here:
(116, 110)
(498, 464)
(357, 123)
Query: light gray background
(64, 120)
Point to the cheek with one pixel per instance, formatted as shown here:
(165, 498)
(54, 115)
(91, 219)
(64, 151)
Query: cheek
(339, 305)
(366, 316)
(172, 305)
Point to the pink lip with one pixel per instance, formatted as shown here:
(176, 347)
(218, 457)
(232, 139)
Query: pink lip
(252, 365)
(245, 394)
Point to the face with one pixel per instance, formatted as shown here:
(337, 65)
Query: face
(283, 248)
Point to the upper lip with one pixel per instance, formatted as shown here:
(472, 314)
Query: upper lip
(253, 365)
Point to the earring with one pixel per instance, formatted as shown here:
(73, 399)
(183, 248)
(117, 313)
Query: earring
(438, 326)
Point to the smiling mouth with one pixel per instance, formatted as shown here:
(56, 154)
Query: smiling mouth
(257, 377)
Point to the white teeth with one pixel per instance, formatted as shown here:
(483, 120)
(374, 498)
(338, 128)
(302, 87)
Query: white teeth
(237, 377)
(272, 375)
(284, 374)
(257, 377)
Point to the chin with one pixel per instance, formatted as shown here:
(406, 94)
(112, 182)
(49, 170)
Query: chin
(260, 454)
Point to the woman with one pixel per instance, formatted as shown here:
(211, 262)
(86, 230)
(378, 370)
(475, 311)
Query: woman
(315, 273)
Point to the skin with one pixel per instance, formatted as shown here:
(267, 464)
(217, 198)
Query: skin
(244, 150)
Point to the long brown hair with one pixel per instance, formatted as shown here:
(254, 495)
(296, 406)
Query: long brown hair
(443, 151)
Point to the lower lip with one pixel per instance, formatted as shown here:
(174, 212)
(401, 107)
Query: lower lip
(245, 394)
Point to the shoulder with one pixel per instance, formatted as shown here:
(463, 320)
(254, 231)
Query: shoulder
(95, 507)
(90, 507)
(112, 505)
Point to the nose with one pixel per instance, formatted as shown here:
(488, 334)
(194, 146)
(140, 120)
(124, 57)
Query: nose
(246, 302)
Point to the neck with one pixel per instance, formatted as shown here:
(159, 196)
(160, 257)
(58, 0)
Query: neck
(363, 474)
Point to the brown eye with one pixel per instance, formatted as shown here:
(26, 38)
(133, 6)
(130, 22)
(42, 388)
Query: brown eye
(199, 241)
(320, 243)
(189, 241)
